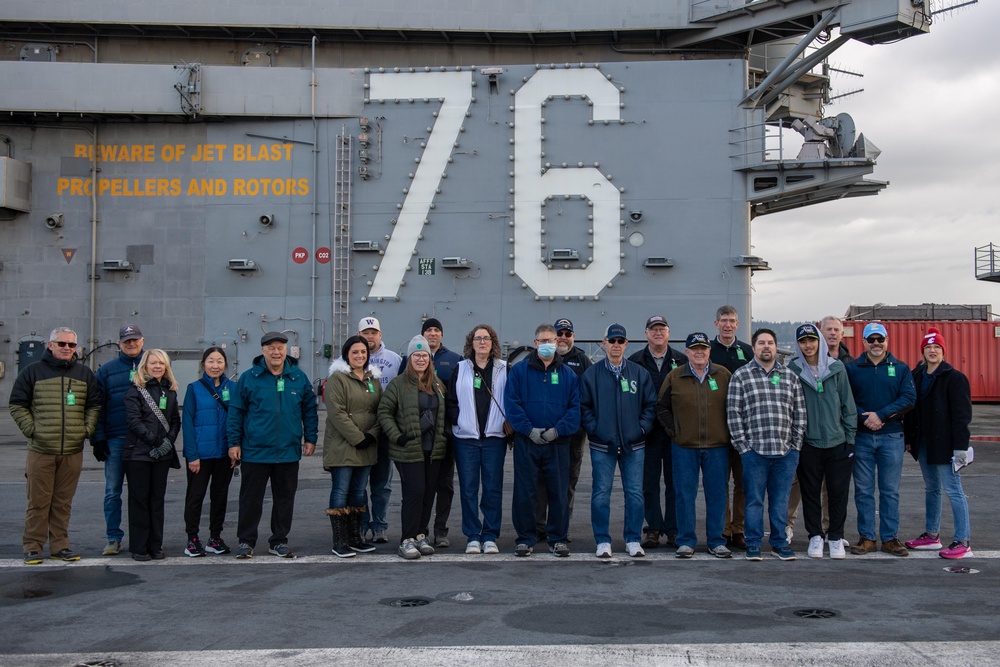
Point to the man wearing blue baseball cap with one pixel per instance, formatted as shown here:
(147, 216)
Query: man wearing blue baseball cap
(883, 391)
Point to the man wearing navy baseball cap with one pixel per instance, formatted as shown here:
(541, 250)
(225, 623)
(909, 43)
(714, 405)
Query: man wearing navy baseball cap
(884, 392)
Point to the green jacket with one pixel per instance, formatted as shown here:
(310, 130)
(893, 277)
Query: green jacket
(832, 413)
(56, 405)
(399, 413)
(351, 413)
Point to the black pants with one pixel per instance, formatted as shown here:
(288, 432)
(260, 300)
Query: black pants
(284, 478)
(417, 485)
(835, 465)
(444, 490)
(147, 487)
(577, 447)
(215, 472)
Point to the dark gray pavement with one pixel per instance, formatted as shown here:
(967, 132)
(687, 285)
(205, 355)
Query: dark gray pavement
(460, 609)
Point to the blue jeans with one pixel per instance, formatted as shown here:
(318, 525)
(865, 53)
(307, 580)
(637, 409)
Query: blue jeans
(348, 488)
(713, 466)
(773, 474)
(380, 482)
(936, 476)
(881, 453)
(114, 478)
(481, 461)
(658, 465)
(552, 462)
(631, 466)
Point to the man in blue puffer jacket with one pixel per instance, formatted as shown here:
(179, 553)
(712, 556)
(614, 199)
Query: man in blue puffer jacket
(618, 408)
(114, 378)
(542, 399)
(273, 410)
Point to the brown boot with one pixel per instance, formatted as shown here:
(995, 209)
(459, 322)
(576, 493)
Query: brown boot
(863, 547)
(895, 547)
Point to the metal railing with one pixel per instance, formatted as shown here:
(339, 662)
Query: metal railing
(988, 262)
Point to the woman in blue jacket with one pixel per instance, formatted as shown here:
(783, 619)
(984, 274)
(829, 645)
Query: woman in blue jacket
(206, 405)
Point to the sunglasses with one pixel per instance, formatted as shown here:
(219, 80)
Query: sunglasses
(565, 333)
(616, 341)
(875, 339)
(62, 343)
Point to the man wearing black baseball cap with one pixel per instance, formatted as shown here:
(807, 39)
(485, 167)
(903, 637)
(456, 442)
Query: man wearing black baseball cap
(272, 412)
(114, 378)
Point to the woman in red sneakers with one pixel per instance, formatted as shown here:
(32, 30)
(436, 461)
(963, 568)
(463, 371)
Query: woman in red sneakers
(936, 433)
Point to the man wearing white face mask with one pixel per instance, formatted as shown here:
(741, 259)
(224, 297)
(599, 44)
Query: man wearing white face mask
(542, 399)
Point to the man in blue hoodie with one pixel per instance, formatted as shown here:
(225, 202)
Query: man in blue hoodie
(883, 392)
(273, 409)
(114, 378)
(618, 408)
(542, 399)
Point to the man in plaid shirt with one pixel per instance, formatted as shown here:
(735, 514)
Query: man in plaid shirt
(766, 412)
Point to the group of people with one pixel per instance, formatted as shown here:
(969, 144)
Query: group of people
(665, 420)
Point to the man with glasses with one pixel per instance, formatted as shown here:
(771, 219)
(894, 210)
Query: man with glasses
(55, 402)
(579, 362)
(732, 353)
(542, 400)
(114, 378)
(883, 392)
(658, 358)
(618, 409)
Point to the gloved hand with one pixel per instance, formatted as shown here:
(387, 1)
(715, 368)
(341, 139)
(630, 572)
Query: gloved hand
(101, 450)
(961, 456)
(550, 435)
(402, 440)
(164, 448)
(536, 436)
(369, 441)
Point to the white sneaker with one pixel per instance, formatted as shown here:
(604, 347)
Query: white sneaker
(635, 550)
(490, 547)
(816, 547)
(837, 549)
(474, 547)
(604, 550)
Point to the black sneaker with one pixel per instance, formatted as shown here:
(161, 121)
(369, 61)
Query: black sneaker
(245, 552)
(32, 558)
(559, 549)
(522, 550)
(66, 555)
(194, 548)
(217, 546)
(281, 551)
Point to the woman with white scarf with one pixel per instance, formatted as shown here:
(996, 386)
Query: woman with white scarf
(475, 411)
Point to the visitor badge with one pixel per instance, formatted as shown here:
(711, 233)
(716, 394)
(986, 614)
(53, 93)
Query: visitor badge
(819, 386)
(892, 371)
(131, 375)
(371, 387)
(281, 384)
(673, 363)
(624, 385)
(740, 355)
(775, 379)
(225, 393)
(163, 402)
(70, 398)
(712, 384)
(477, 382)
(555, 377)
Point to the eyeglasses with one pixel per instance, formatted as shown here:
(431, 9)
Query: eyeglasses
(875, 339)
(616, 341)
(565, 333)
(62, 343)
(482, 339)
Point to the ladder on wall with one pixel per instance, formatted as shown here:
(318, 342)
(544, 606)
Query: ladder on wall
(341, 241)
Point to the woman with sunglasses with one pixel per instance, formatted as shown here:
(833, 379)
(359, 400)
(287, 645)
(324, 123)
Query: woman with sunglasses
(412, 415)
(154, 421)
(475, 410)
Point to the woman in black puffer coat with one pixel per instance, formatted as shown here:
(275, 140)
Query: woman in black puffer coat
(149, 451)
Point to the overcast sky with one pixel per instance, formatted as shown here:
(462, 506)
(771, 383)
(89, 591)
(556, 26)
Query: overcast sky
(932, 105)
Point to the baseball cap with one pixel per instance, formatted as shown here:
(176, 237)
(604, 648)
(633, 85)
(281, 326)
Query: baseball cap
(369, 323)
(697, 339)
(562, 324)
(806, 331)
(129, 332)
(273, 336)
(875, 328)
(616, 331)
(656, 319)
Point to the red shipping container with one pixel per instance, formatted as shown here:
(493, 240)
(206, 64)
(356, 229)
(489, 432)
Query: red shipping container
(971, 347)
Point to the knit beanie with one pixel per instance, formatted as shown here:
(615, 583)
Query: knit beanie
(932, 337)
(431, 322)
(418, 344)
